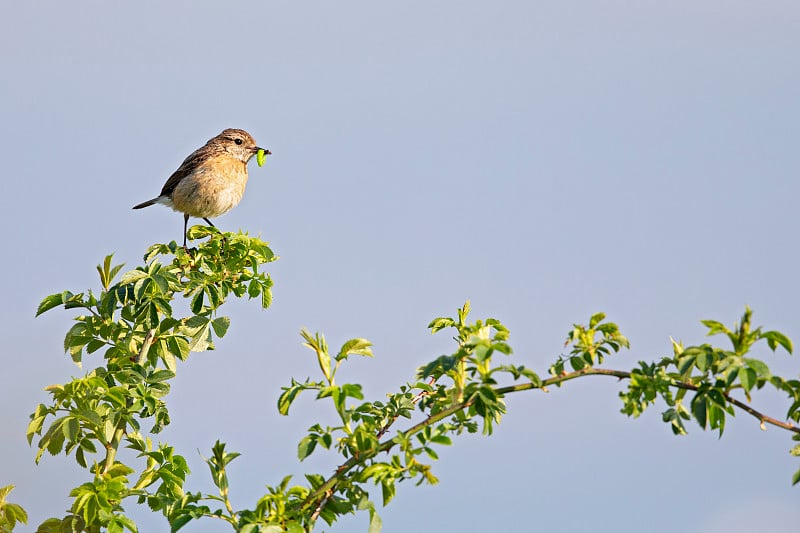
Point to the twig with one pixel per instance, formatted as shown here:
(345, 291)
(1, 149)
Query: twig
(148, 341)
(414, 401)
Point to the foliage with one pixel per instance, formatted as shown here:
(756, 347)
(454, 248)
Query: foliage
(10, 513)
(379, 443)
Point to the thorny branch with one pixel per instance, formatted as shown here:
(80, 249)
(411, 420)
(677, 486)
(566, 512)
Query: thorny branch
(323, 493)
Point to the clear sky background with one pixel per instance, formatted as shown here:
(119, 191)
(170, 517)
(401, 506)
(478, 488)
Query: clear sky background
(546, 160)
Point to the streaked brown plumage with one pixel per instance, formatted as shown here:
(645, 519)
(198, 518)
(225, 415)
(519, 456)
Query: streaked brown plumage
(211, 181)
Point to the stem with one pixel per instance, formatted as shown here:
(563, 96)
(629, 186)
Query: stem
(119, 430)
(148, 341)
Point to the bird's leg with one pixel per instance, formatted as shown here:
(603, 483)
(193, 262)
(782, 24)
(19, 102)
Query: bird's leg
(185, 229)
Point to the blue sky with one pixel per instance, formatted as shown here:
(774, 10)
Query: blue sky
(545, 160)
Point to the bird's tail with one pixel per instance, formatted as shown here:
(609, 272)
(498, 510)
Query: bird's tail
(146, 204)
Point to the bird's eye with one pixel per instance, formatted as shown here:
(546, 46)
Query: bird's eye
(238, 141)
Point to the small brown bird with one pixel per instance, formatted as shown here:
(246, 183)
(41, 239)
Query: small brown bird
(211, 181)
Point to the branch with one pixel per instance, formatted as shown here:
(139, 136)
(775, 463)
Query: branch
(323, 492)
(762, 418)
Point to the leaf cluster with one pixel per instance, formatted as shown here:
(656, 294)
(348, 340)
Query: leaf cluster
(132, 324)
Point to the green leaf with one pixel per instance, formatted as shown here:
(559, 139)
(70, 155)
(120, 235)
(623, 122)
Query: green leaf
(375, 522)
(596, 319)
(443, 440)
(221, 325)
(70, 428)
(715, 327)
(532, 376)
(54, 300)
(438, 324)
(482, 352)
(123, 521)
(199, 328)
(353, 390)
(776, 338)
(197, 302)
(703, 361)
(747, 377)
(306, 446)
(254, 289)
(14, 513)
(179, 522)
(440, 365)
(288, 396)
(178, 346)
(577, 362)
(266, 297)
(759, 366)
(5, 491)
(355, 347)
(160, 375)
(716, 418)
(132, 276)
(700, 409)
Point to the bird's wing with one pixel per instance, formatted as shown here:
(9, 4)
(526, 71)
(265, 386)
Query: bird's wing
(184, 170)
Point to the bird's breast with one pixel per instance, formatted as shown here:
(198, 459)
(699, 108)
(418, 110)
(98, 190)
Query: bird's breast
(213, 188)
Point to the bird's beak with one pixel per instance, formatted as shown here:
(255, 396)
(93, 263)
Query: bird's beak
(266, 152)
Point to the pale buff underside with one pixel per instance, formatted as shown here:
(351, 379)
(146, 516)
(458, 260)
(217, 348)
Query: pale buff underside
(213, 189)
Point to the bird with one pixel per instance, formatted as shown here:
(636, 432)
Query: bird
(211, 181)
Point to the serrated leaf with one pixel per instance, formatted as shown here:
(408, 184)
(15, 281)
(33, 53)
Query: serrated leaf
(220, 325)
(714, 327)
(132, 276)
(160, 375)
(703, 361)
(596, 319)
(759, 366)
(197, 302)
(438, 324)
(353, 390)
(201, 340)
(306, 446)
(13, 514)
(577, 362)
(355, 347)
(49, 302)
(179, 522)
(266, 297)
(776, 338)
(288, 396)
(70, 428)
(700, 410)
(747, 377)
(253, 289)
(178, 346)
(5, 491)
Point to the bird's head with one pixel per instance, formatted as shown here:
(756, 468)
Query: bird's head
(238, 143)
